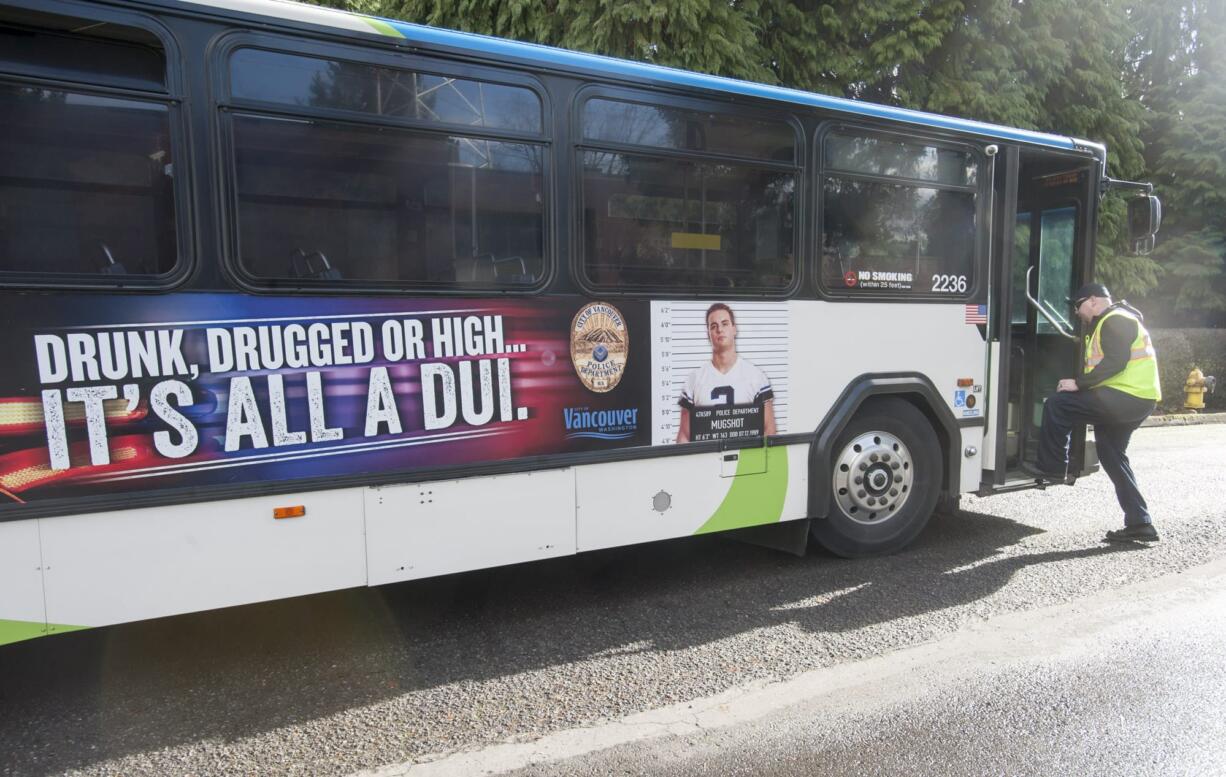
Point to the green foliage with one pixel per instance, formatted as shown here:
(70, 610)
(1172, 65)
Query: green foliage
(981, 69)
(1192, 156)
(1179, 350)
(711, 37)
(1179, 75)
(856, 49)
(1195, 261)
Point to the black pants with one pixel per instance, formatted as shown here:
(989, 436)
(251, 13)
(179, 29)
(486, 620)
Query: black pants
(1115, 416)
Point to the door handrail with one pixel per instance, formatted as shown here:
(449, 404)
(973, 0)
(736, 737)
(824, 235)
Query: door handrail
(1059, 325)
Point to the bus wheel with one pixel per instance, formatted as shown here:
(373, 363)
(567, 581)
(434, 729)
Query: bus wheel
(885, 479)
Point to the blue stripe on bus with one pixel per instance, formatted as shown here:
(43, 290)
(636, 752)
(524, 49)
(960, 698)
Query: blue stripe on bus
(565, 59)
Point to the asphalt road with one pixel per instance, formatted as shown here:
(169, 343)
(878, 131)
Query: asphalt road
(1129, 681)
(360, 679)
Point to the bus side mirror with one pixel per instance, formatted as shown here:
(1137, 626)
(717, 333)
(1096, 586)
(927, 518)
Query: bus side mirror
(1144, 218)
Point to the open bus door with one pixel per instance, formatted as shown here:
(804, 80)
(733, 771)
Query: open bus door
(1046, 205)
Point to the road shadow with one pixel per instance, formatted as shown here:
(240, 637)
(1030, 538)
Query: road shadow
(77, 699)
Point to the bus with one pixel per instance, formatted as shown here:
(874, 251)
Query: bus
(298, 300)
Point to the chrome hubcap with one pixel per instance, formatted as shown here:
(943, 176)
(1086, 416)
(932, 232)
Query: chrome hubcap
(873, 477)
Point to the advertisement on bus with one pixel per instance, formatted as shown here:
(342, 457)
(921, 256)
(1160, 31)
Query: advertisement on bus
(113, 395)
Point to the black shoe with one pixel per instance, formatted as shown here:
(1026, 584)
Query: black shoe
(1142, 532)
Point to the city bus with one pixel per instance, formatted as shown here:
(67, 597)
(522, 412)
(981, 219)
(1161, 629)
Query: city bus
(298, 300)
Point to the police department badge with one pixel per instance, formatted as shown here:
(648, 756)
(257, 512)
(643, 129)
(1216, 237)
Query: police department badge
(599, 346)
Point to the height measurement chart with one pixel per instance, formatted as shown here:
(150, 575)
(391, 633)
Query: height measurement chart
(681, 346)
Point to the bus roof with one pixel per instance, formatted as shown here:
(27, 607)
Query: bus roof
(569, 61)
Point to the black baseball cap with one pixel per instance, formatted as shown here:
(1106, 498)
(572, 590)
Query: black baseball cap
(1087, 291)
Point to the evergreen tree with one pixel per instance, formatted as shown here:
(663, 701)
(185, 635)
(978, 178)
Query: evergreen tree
(996, 65)
(855, 49)
(703, 35)
(1195, 261)
(1179, 74)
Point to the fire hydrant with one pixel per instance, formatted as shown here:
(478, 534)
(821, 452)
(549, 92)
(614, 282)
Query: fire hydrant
(1195, 387)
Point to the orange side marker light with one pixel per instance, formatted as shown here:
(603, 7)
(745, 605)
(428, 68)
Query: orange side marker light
(296, 511)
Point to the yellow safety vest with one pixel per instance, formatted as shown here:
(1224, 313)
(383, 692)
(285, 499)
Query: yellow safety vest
(1140, 376)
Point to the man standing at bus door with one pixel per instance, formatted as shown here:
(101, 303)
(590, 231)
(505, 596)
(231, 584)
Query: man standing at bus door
(1116, 391)
(726, 379)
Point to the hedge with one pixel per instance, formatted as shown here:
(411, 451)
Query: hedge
(1181, 349)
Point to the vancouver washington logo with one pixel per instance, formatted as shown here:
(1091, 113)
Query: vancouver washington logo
(599, 346)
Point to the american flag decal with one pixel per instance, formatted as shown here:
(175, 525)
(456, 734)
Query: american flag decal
(976, 314)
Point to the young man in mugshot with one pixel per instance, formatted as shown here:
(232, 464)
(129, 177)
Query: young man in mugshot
(727, 379)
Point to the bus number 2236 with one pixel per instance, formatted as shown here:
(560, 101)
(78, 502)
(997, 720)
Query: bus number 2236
(951, 284)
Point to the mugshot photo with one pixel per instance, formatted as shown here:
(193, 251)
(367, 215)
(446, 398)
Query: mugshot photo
(722, 370)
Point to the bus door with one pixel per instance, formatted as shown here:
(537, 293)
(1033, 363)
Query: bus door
(1044, 249)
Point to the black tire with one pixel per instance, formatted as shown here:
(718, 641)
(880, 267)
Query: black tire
(885, 474)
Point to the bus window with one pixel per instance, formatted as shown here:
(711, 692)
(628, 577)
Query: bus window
(1056, 247)
(80, 50)
(657, 219)
(298, 81)
(898, 218)
(340, 203)
(896, 159)
(329, 202)
(617, 121)
(1057, 229)
(87, 191)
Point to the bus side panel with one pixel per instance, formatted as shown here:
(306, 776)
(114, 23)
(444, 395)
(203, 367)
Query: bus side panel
(22, 614)
(933, 340)
(437, 528)
(129, 565)
(972, 466)
(629, 502)
(995, 408)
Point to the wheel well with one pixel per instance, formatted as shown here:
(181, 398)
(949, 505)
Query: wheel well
(942, 435)
(913, 388)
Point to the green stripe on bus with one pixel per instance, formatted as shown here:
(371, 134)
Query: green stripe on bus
(754, 498)
(16, 631)
(383, 28)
